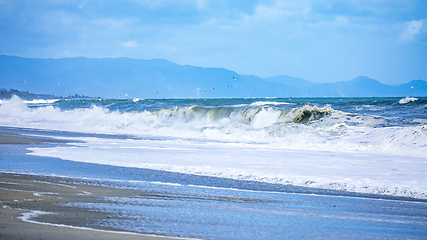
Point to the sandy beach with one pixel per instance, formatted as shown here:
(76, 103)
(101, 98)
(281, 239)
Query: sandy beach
(30, 205)
(53, 198)
(14, 138)
(21, 195)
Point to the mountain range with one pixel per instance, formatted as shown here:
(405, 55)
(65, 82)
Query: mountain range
(158, 78)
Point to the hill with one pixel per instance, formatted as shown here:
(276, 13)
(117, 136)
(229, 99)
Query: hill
(7, 94)
(158, 78)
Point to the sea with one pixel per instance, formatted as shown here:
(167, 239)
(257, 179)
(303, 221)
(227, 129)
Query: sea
(284, 152)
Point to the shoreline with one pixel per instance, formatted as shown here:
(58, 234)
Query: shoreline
(22, 138)
(23, 196)
(30, 203)
(48, 206)
(9, 137)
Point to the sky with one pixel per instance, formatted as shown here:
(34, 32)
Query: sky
(318, 40)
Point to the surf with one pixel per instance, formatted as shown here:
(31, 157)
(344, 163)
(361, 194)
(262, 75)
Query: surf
(322, 124)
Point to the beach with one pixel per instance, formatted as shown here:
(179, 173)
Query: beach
(35, 206)
(14, 138)
(213, 120)
(30, 210)
(22, 196)
(215, 169)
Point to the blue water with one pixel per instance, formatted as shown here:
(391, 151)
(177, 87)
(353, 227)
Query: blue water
(217, 208)
(397, 113)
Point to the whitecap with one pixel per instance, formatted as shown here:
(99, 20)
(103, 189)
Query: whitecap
(137, 99)
(41, 101)
(407, 100)
(262, 103)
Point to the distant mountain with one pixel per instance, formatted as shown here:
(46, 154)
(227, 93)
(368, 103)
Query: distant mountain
(365, 87)
(358, 87)
(158, 78)
(291, 81)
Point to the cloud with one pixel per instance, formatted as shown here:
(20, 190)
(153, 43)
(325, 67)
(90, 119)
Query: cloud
(304, 38)
(196, 4)
(341, 20)
(130, 44)
(279, 9)
(411, 30)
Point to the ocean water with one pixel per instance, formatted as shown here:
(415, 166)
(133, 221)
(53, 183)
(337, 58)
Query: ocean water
(375, 125)
(368, 145)
(237, 168)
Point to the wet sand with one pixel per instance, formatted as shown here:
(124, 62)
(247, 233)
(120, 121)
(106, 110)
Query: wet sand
(24, 194)
(77, 208)
(14, 138)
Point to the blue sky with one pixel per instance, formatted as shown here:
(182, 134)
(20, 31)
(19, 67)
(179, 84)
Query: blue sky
(318, 40)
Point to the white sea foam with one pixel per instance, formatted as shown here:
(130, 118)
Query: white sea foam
(26, 217)
(34, 101)
(41, 101)
(358, 172)
(29, 216)
(328, 129)
(262, 103)
(407, 100)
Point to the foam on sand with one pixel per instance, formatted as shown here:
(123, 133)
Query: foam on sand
(344, 171)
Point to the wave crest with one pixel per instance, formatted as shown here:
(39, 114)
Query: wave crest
(292, 126)
(260, 116)
(407, 100)
(308, 114)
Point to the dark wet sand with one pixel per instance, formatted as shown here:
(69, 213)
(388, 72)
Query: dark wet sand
(14, 138)
(23, 194)
(20, 194)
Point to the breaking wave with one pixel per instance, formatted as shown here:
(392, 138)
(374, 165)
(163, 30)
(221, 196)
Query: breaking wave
(302, 126)
(407, 100)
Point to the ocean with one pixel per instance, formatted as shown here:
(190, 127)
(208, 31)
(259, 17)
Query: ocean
(363, 148)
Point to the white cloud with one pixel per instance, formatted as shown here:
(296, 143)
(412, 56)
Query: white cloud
(411, 30)
(201, 4)
(267, 12)
(261, 37)
(197, 4)
(279, 9)
(130, 44)
(294, 7)
(341, 20)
